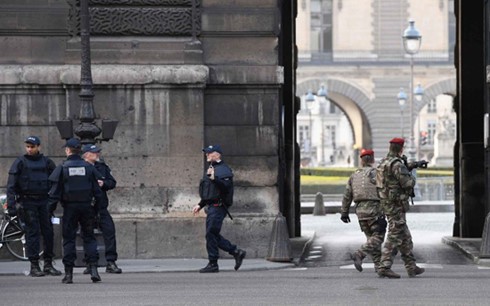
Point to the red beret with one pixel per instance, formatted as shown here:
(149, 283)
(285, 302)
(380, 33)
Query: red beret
(397, 140)
(366, 152)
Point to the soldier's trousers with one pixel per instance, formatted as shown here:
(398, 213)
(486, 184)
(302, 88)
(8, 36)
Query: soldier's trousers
(398, 237)
(375, 234)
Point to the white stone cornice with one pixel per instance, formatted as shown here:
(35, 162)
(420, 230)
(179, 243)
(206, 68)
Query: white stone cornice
(104, 74)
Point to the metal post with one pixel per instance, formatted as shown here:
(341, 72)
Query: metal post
(87, 130)
(401, 124)
(411, 148)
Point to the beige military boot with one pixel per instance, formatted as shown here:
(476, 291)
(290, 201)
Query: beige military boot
(357, 258)
(387, 273)
(416, 271)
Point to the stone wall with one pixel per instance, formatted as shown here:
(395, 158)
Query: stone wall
(171, 96)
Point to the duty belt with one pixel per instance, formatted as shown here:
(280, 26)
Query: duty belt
(33, 197)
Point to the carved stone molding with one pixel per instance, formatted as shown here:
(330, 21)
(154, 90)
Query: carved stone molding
(138, 17)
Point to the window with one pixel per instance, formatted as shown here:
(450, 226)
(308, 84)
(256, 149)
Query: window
(432, 107)
(321, 26)
(431, 132)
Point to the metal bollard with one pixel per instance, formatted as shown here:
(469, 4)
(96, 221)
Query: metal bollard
(319, 209)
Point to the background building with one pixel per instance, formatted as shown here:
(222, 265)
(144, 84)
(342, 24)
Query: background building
(355, 49)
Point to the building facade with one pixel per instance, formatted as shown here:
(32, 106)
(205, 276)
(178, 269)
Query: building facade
(355, 50)
(177, 75)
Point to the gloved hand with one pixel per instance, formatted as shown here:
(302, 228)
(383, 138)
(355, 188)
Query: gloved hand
(345, 217)
(12, 211)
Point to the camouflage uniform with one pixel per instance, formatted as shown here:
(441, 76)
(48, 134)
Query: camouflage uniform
(395, 184)
(361, 188)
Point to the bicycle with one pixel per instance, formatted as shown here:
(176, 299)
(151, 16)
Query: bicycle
(12, 233)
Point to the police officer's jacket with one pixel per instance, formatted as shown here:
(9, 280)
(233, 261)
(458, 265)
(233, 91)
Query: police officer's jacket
(28, 178)
(220, 190)
(109, 181)
(75, 181)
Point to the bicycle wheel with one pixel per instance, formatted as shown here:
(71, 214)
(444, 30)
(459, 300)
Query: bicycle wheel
(14, 238)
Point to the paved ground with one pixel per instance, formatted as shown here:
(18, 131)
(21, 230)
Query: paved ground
(431, 233)
(333, 241)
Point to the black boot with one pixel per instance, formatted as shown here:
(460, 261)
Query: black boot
(87, 270)
(112, 268)
(212, 267)
(239, 256)
(49, 269)
(94, 275)
(68, 279)
(35, 269)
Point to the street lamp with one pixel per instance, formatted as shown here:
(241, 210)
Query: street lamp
(310, 97)
(411, 42)
(87, 130)
(402, 100)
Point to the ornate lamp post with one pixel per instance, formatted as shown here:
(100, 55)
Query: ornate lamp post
(87, 130)
(411, 42)
(322, 93)
(402, 100)
(310, 98)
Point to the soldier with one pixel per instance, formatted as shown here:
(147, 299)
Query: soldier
(216, 192)
(395, 184)
(361, 188)
(91, 154)
(75, 185)
(27, 195)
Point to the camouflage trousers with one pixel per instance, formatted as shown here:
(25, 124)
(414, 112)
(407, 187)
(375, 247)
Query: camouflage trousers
(399, 238)
(374, 230)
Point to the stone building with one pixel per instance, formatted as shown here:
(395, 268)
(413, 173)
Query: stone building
(177, 75)
(355, 49)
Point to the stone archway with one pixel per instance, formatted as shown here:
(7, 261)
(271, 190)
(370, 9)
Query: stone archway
(447, 86)
(351, 99)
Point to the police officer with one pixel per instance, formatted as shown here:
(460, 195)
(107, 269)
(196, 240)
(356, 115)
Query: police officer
(75, 185)
(216, 192)
(91, 154)
(27, 196)
(395, 184)
(361, 188)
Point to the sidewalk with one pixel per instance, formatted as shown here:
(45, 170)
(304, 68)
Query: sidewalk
(11, 267)
(8, 267)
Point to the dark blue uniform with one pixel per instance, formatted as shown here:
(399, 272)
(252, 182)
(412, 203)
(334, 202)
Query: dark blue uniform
(217, 194)
(28, 185)
(75, 186)
(106, 223)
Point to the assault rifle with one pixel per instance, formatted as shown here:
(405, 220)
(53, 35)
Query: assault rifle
(414, 165)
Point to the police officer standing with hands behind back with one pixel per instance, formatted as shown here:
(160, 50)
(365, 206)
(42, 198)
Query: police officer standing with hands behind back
(91, 154)
(75, 185)
(216, 192)
(27, 196)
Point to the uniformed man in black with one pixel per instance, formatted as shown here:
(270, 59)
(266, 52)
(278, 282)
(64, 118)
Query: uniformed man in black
(27, 197)
(216, 192)
(91, 154)
(75, 186)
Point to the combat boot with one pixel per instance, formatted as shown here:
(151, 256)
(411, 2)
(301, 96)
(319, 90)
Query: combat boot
(416, 271)
(112, 268)
(49, 269)
(357, 258)
(387, 273)
(94, 274)
(239, 256)
(212, 267)
(35, 269)
(68, 279)
(87, 270)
